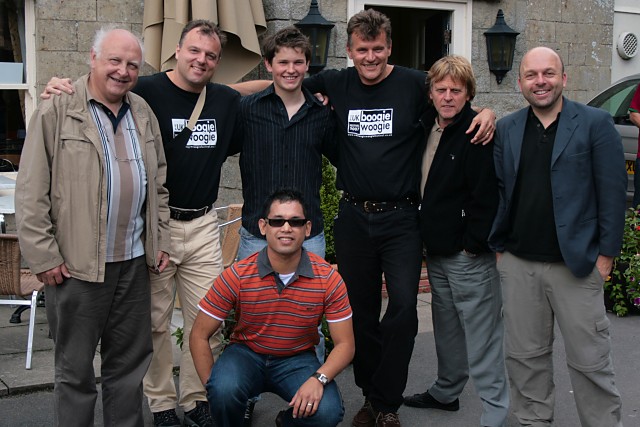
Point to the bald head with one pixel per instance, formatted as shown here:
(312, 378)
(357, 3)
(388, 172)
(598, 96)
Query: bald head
(542, 80)
(541, 54)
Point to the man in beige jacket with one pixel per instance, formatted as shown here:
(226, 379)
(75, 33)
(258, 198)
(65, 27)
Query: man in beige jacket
(92, 214)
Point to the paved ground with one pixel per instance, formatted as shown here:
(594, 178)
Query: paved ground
(26, 397)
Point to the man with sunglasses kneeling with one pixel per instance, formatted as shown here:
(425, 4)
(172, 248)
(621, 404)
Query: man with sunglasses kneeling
(279, 296)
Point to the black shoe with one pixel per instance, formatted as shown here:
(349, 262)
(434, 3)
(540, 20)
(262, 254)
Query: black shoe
(248, 413)
(167, 418)
(279, 418)
(425, 400)
(198, 416)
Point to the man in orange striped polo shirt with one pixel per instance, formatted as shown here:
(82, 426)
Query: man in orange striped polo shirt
(279, 295)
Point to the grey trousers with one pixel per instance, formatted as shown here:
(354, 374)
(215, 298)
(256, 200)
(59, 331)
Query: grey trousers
(535, 295)
(468, 330)
(115, 313)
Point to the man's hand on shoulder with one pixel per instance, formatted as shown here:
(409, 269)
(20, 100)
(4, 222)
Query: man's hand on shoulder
(485, 121)
(322, 98)
(56, 86)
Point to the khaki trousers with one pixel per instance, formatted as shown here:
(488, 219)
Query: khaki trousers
(535, 295)
(196, 260)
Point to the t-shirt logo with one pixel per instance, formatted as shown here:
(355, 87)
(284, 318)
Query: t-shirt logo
(204, 135)
(370, 123)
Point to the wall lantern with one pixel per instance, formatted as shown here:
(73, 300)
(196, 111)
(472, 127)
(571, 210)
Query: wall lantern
(501, 45)
(318, 30)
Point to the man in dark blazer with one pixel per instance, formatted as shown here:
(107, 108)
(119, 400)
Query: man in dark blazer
(561, 177)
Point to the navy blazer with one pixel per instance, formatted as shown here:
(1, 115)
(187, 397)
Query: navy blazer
(588, 183)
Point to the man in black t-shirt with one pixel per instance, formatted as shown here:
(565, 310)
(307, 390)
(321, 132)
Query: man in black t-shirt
(380, 141)
(194, 161)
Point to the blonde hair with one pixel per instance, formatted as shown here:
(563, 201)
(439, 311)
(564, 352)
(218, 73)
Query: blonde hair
(458, 68)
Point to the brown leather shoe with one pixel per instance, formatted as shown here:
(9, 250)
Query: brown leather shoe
(365, 416)
(387, 419)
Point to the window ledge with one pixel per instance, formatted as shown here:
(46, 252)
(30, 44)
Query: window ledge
(13, 86)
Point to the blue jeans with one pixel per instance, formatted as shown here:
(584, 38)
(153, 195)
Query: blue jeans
(250, 244)
(240, 373)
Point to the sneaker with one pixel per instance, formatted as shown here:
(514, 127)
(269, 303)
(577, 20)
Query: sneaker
(167, 418)
(248, 413)
(365, 416)
(387, 419)
(198, 416)
(425, 400)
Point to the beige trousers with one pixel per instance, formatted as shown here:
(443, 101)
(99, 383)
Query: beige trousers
(536, 295)
(196, 260)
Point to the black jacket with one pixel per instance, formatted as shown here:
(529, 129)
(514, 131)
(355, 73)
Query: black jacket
(460, 198)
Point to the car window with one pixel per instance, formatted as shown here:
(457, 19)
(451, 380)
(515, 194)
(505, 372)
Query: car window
(616, 100)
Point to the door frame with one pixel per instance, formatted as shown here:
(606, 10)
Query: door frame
(461, 14)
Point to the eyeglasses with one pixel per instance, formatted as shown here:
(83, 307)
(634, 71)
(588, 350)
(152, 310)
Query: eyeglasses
(293, 222)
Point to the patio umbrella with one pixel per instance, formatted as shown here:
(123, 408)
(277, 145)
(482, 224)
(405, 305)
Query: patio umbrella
(242, 21)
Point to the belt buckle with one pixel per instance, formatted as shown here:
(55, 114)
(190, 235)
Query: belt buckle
(372, 207)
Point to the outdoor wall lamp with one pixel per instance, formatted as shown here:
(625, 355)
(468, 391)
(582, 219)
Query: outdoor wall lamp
(501, 45)
(318, 30)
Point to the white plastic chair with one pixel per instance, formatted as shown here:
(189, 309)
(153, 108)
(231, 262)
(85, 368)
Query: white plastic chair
(14, 281)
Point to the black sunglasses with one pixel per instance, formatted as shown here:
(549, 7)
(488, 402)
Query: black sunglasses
(279, 222)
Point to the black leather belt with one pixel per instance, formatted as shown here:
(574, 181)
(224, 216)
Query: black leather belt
(188, 214)
(371, 206)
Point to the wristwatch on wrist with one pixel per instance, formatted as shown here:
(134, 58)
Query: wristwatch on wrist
(321, 377)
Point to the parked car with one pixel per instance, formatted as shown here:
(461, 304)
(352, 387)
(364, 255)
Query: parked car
(616, 99)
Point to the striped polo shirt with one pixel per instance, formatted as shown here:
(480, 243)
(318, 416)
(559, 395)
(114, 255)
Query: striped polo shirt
(273, 318)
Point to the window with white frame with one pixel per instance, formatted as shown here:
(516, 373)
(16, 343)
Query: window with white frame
(17, 69)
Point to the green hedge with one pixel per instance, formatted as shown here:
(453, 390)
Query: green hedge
(329, 199)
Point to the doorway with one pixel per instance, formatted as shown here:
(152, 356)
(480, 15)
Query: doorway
(420, 36)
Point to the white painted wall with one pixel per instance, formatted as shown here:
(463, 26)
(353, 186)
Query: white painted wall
(626, 18)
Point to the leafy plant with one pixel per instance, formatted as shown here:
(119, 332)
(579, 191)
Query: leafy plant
(179, 334)
(329, 200)
(622, 285)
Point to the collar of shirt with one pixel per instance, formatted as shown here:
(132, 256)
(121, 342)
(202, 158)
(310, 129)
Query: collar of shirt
(304, 267)
(536, 120)
(115, 120)
(308, 96)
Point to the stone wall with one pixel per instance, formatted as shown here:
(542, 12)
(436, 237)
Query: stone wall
(581, 31)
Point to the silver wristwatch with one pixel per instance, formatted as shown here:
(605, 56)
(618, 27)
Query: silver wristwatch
(321, 377)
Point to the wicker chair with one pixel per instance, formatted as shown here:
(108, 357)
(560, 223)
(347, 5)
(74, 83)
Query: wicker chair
(229, 237)
(14, 281)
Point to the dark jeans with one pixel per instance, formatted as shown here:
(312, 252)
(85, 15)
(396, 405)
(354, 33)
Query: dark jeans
(240, 373)
(367, 245)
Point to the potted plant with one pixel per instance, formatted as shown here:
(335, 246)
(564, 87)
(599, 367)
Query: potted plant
(622, 288)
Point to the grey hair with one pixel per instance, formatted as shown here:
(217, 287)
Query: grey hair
(104, 31)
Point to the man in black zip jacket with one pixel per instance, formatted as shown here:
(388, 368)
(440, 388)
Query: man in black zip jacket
(460, 199)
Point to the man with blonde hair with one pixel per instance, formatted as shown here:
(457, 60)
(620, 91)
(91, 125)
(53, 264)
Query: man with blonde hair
(459, 202)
